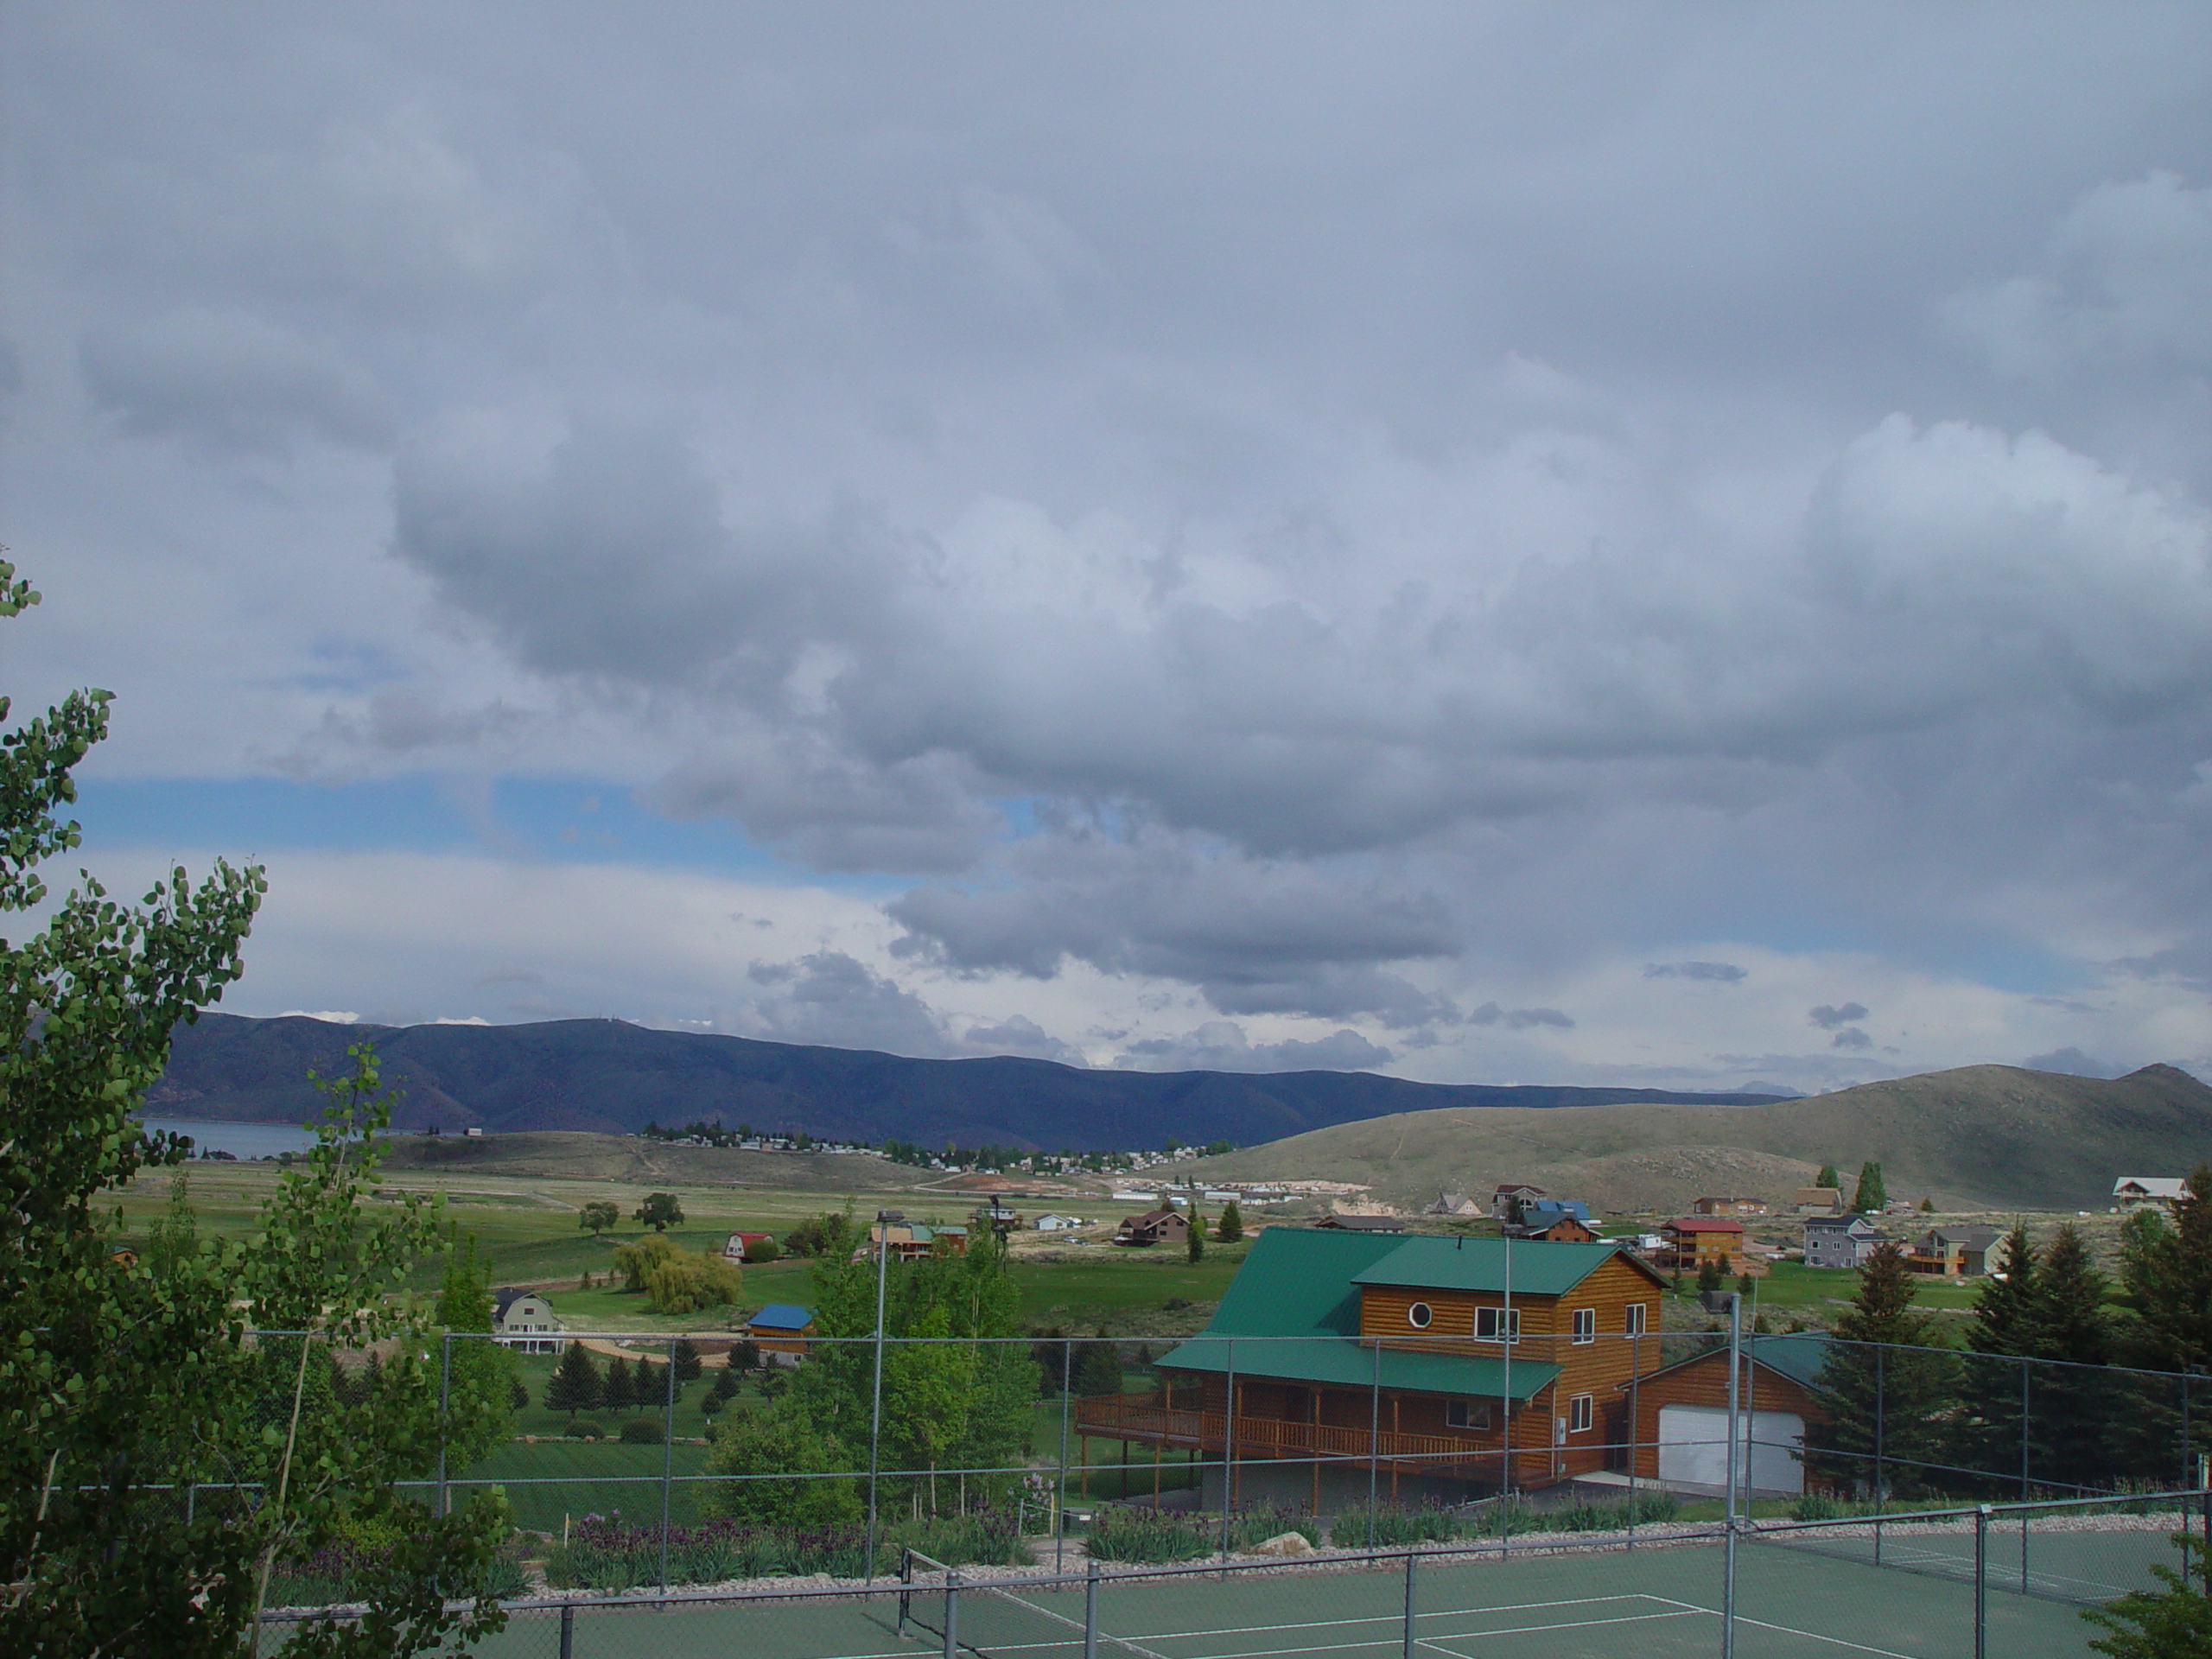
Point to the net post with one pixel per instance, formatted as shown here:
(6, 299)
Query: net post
(1412, 1557)
(906, 1586)
(952, 1615)
(1981, 1581)
(1728, 1594)
(667, 1461)
(1090, 1611)
(568, 1630)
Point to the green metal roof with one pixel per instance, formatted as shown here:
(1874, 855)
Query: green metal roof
(1540, 1266)
(1304, 1282)
(1798, 1355)
(1345, 1362)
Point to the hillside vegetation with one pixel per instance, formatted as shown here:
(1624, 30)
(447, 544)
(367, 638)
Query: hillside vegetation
(1978, 1137)
(606, 1076)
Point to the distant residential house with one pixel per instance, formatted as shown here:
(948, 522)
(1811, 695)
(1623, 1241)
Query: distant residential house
(1052, 1223)
(525, 1320)
(740, 1243)
(1818, 1201)
(1558, 1227)
(1456, 1205)
(780, 1331)
(1953, 1252)
(998, 1213)
(2133, 1191)
(1221, 1195)
(1133, 1195)
(1730, 1206)
(1690, 1242)
(1161, 1226)
(1839, 1241)
(911, 1241)
(1357, 1224)
(1507, 1194)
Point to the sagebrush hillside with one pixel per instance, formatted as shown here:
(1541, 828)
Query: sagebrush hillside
(1978, 1137)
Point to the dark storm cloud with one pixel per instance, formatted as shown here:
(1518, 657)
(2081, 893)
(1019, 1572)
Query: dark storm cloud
(1019, 1034)
(1723, 973)
(1519, 1019)
(1828, 1016)
(1851, 1037)
(1222, 1046)
(830, 997)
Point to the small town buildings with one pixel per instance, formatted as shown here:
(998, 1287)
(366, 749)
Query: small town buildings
(1953, 1252)
(1559, 1226)
(525, 1320)
(1730, 1206)
(998, 1215)
(780, 1331)
(736, 1247)
(2133, 1191)
(1133, 1195)
(1457, 1205)
(1839, 1241)
(1690, 1242)
(1442, 1368)
(1818, 1201)
(912, 1241)
(1348, 1221)
(1678, 1416)
(1162, 1225)
(1506, 1194)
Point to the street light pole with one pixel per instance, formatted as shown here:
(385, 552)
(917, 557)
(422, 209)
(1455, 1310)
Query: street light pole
(1713, 1300)
(876, 1402)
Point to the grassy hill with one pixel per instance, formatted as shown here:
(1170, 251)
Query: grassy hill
(610, 1076)
(1982, 1136)
(574, 1155)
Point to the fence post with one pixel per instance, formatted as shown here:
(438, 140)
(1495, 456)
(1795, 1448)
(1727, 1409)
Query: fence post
(1728, 1594)
(1635, 1371)
(445, 1384)
(1981, 1580)
(1411, 1558)
(906, 1586)
(952, 1615)
(1881, 1481)
(191, 1501)
(1227, 1449)
(1090, 1611)
(1060, 1499)
(568, 1631)
(1374, 1440)
(667, 1462)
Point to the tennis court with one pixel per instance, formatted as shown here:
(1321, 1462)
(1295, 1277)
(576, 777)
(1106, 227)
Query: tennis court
(1795, 1598)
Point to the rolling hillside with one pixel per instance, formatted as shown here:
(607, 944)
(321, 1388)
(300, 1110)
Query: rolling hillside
(605, 1075)
(1982, 1136)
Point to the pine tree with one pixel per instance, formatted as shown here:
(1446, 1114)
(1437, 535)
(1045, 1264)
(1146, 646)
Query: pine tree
(1871, 1195)
(2074, 1404)
(1829, 1177)
(687, 1365)
(1988, 1434)
(1230, 1228)
(615, 1394)
(1196, 1242)
(1882, 1391)
(576, 1384)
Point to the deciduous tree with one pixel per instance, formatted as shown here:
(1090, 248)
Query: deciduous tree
(659, 1211)
(601, 1215)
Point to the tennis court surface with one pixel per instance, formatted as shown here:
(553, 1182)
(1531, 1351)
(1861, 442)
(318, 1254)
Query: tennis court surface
(1798, 1593)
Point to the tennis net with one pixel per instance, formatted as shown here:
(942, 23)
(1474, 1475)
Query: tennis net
(1007, 1620)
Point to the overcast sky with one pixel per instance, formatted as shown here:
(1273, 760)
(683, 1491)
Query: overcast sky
(1491, 543)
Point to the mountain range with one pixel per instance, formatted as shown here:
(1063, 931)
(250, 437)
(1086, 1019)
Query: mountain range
(609, 1076)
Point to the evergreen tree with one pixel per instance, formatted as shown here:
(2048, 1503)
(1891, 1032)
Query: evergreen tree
(1827, 1177)
(1230, 1228)
(576, 1384)
(615, 1393)
(2175, 1622)
(1097, 1368)
(1871, 1195)
(2167, 1272)
(1989, 1429)
(1884, 1393)
(1708, 1276)
(688, 1364)
(2075, 1404)
(1195, 1244)
(480, 1382)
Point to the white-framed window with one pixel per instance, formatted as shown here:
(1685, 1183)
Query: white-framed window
(1632, 1318)
(1496, 1323)
(1467, 1414)
(1581, 1412)
(1585, 1324)
(1417, 1316)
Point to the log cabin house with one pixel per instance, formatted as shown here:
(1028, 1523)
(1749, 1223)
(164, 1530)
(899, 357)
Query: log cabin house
(1409, 1361)
(1680, 1416)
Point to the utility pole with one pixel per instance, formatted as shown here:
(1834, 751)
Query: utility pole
(1713, 1300)
(883, 1220)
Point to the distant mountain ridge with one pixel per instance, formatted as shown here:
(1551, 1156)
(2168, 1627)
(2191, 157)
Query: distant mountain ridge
(612, 1077)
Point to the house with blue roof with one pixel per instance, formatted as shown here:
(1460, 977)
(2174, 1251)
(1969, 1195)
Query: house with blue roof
(1439, 1368)
(780, 1331)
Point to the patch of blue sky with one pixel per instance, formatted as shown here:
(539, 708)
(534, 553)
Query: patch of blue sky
(560, 820)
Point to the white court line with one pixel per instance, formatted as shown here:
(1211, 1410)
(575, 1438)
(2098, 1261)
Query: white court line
(1397, 1618)
(1438, 1642)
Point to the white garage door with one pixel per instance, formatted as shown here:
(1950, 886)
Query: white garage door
(1694, 1448)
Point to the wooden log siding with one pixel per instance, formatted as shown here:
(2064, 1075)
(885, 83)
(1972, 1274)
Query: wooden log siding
(1470, 1454)
(1705, 1382)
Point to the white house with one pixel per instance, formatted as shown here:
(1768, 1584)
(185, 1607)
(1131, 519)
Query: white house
(1133, 1195)
(525, 1320)
(1059, 1223)
(2133, 1191)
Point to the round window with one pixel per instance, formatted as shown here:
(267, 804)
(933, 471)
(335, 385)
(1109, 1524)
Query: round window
(1417, 1316)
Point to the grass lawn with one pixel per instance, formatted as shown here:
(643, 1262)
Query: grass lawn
(1792, 1288)
(591, 1480)
(1084, 1289)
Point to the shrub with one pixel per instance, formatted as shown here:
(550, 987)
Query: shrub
(342, 1572)
(1139, 1535)
(781, 1447)
(1395, 1529)
(1815, 1506)
(642, 1431)
(585, 1430)
(608, 1556)
(685, 1282)
(761, 1250)
(982, 1537)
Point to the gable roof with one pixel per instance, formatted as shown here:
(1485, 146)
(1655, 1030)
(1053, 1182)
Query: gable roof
(1358, 1224)
(1299, 1283)
(1539, 1268)
(1152, 1217)
(506, 1297)
(1800, 1357)
(2152, 1186)
(783, 1316)
(1837, 1224)
(1702, 1225)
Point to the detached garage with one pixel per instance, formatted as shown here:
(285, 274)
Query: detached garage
(1680, 1416)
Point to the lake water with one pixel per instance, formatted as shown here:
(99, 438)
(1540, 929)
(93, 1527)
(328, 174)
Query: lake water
(240, 1140)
